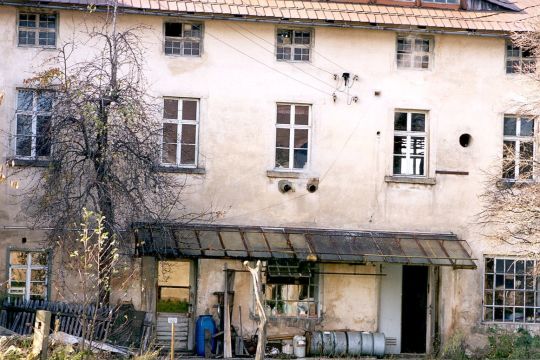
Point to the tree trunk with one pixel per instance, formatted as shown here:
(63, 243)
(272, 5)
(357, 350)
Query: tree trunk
(256, 277)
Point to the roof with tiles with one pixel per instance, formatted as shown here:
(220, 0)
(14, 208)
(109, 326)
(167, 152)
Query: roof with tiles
(339, 13)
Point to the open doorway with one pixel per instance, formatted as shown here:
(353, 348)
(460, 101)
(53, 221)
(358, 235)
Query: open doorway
(175, 299)
(414, 309)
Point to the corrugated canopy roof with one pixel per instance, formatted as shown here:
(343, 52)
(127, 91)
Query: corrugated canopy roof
(247, 242)
(332, 12)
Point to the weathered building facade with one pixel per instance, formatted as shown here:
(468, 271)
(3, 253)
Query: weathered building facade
(344, 144)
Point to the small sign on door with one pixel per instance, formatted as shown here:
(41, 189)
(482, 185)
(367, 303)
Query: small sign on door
(172, 320)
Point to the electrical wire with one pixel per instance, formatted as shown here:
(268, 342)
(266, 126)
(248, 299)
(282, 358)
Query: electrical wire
(290, 63)
(313, 50)
(266, 65)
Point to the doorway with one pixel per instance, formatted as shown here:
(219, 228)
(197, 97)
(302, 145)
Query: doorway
(414, 309)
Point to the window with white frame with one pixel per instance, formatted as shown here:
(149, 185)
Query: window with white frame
(511, 290)
(183, 38)
(291, 289)
(180, 132)
(293, 126)
(28, 274)
(518, 147)
(519, 60)
(33, 122)
(293, 45)
(414, 52)
(37, 30)
(410, 143)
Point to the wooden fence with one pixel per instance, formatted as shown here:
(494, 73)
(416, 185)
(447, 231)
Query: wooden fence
(120, 325)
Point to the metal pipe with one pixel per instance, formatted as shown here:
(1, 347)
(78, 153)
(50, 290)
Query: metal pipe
(500, 34)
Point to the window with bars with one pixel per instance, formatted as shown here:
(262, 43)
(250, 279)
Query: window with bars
(519, 60)
(28, 274)
(511, 290)
(291, 289)
(180, 132)
(293, 127)
(410, 138)
(414, 52)
(37, 30)
(33, 122)
(518, 148)
(293, 45)
(183, 39)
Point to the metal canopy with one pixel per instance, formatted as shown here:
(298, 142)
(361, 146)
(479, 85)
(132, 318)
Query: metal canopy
(249, 242)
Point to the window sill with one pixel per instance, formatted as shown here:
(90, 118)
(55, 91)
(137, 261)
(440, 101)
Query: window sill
(285, 174)
(181, 170)
(30, 162)
(410, 180)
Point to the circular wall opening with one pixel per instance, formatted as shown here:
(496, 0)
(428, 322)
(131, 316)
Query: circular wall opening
(312, 188)
(465, 140)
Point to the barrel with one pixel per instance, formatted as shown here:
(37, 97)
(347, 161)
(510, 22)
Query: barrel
(204, 322)
(349, 343)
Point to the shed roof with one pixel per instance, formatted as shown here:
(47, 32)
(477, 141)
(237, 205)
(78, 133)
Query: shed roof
(324, 245)
(334, 12)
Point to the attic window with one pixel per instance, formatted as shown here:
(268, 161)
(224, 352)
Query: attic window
(183, 39)
(519, 60)
(293, 44)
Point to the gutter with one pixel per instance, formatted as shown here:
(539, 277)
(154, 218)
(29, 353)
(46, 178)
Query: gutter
(243, 18)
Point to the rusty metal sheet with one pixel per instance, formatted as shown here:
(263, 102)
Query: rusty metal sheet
(322, 245)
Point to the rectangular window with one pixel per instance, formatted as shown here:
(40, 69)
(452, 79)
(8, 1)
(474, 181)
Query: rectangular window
(180, 132)
(28, 274)
(414, 52)
(292, 136)
(511, 290)
(183, 39)
(293, 45)
(410, 138)
(291, 289)
(518, 147)
(33, 118)
(519, 60)
(37, 30)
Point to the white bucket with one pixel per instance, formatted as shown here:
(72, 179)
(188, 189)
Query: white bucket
(299, 346)
(287, 347)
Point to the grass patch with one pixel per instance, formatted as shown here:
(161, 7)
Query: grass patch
(173, 306)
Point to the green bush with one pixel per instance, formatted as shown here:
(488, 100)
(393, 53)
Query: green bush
(173, 306)
(519, 344)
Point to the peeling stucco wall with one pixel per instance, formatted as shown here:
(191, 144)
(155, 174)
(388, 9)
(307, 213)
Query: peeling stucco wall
(466, 91)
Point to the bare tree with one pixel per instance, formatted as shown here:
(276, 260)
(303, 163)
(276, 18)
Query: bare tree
(511, 198)
(103, 140)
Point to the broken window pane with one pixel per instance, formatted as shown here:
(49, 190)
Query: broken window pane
(17, 257)
(300, 158)
(282, 158)
(284, 36)
(173, 29)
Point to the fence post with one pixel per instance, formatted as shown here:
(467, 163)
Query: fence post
(42, 328)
